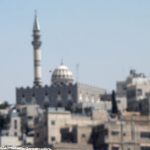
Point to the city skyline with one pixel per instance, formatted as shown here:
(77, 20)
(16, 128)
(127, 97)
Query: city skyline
(106, 39)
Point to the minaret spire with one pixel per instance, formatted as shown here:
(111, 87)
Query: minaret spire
(36, 25)
(37, 52)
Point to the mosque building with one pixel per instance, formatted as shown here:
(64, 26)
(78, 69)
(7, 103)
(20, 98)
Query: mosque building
(63, 90)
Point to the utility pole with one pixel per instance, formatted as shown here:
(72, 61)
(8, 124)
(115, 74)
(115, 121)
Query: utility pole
(77, 72)
(133, 131)
(148, 108)
(121, 132)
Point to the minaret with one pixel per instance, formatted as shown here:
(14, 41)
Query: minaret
(37, 52)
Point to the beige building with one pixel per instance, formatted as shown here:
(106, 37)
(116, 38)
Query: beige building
(57, 119)
(72, 146)
(15, 124)
(133, 90)
(10, 141)
(33, 124)
(65, 127)
(132, 133)
(11, 134)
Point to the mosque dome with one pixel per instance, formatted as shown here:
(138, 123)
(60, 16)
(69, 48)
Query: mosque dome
(62, 75)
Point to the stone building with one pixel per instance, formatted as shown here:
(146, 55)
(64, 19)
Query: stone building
(62, 91)
(23, 125)
(131, 133)
(59, 95)
(133, 90)
(33, 125)
(64, 127)
(15, 124)
(12, 132)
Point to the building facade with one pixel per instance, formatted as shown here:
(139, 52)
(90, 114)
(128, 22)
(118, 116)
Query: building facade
(130, 133)
(133, 90)
(64, 127)
(62, 91)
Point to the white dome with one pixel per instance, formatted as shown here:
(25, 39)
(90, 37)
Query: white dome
(62, 75)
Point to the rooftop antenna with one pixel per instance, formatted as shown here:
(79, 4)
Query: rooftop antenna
(62, 62)
(50, 72)
(77, 72)
(148, 108)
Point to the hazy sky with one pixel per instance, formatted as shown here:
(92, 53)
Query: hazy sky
(106, 37)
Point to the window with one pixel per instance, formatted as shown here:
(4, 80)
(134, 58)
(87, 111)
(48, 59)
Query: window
(83, 135)
(139, 92)
(53, 138)
(30, 117)
(114, 133)
(124, 88)
(15, 124)
(37, 134)
(131, 93)
(59, 104)
(69, 92)
(118, 101)
(106, 132)
(52, 122)
(145, 148)
(15, 134)
(115, 148)
(145, 134)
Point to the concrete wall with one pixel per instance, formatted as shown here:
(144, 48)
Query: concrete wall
(10, 141)
(131, 134)
(59, 94)
(15, 126)
(56, 120)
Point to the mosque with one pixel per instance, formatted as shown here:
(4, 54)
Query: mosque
(63, 90)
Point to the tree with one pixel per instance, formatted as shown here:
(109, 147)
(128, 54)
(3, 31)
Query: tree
(114, 109)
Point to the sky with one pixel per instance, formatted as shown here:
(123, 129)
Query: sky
(106, 38)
